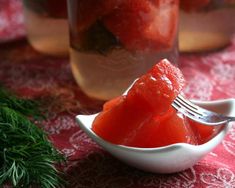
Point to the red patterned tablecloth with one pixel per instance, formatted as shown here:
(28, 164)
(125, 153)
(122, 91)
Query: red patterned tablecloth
(32, 75)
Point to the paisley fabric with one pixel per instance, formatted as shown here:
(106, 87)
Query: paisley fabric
(32, 75)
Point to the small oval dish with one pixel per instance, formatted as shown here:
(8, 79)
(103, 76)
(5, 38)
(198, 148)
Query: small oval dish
(168, 159)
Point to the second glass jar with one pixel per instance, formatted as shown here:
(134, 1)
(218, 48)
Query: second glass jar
(47, 26)
(206, 25)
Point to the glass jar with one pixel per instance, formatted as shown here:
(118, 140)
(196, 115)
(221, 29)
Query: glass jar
(206, 24)
(112, 42)
(47, 26)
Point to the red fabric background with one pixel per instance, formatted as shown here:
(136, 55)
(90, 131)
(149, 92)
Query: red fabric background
(32, 75)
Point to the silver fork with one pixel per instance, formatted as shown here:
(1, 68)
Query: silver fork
(199, 114)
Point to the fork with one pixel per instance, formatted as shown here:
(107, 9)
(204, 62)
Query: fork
(199, 114)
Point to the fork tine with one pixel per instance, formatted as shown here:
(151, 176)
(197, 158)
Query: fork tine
(187, 106)
(185, 101)
(182, 107)
(199, 114)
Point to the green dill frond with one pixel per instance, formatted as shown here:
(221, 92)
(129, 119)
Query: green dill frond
(27, 157)
(27, 107)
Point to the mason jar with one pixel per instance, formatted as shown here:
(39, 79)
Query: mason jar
(112, 42)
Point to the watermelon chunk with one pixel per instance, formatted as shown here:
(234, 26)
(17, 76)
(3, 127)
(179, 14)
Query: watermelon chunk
(163, 130)
(193, 5)
(125, 117)
(144, 24)
(159, 87)
(113, 102)
(202, 132)
(119, 124)
(89, 11)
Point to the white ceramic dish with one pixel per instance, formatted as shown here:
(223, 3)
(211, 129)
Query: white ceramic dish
(168, 159)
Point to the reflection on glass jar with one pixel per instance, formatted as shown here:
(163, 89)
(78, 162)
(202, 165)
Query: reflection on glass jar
(206, 24)
(112, 42)
(47, 26)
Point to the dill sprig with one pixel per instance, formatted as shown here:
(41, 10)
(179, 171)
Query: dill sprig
(28, 107)
(27, 157)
